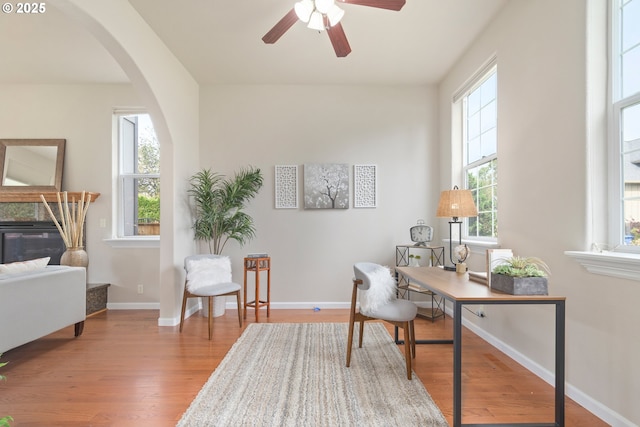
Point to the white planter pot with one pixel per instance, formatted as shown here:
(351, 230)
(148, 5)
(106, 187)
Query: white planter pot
(219, 304)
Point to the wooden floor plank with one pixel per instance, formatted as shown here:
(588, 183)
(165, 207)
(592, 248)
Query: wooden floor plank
(126, 371)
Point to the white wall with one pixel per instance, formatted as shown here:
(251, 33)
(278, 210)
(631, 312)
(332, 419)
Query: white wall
(313, 250)
(82, 114)
(544, 198)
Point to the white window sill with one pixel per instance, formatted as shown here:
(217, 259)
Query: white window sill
(476, 246)
(134, 242)
(616, 264)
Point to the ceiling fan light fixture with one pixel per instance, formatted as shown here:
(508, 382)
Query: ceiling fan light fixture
(303, 9)
(335, 14)
(323, 6)
(316, 22)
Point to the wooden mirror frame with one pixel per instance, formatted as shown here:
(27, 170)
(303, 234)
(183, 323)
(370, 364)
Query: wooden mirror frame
(57, 143)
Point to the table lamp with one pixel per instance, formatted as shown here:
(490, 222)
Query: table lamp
(456, 204)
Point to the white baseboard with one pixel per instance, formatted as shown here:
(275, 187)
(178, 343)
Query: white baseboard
(133, 306)
(595, 407)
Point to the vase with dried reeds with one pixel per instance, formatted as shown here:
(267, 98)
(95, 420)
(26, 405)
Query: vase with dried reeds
(71, 227)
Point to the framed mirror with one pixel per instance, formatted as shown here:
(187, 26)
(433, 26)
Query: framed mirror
(31, 165)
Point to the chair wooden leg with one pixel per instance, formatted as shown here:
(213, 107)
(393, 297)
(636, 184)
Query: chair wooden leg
(361, 332)
(210, 317)
(413, 338)
(350, 341)
(407, 347)
(352, 321)
(184, 306)
(239, 308)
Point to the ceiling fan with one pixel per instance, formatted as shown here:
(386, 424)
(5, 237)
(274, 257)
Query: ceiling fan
(323, 15)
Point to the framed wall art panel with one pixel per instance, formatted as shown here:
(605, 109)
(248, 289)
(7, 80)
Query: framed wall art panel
(365, 192)
(286, 187)
(326, 186)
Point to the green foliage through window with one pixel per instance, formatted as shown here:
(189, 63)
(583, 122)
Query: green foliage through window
(148, 209)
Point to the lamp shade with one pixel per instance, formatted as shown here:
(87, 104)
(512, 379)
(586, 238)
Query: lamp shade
(456, 203)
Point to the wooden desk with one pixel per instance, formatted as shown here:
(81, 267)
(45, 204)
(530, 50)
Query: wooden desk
(257, 265)
(458, 289)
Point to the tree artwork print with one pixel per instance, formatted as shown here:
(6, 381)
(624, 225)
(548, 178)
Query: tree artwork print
(326, 186)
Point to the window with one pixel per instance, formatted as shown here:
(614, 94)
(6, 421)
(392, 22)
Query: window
(138, 185)
(479, 158)
(625, 125)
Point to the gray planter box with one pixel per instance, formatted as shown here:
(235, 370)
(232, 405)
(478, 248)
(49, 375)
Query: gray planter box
(519, 285)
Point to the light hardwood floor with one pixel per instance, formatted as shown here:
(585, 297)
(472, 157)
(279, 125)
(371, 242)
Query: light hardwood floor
(126, 371)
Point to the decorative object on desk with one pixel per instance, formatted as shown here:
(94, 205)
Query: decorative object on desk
(496, 257)
(219, 205)
(414, 260)
(421, 234)
(455, 203)
(521, 276)
(365, 191)
(462, 253)
(71, 227)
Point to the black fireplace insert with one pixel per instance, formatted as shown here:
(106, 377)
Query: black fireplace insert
(22, 241)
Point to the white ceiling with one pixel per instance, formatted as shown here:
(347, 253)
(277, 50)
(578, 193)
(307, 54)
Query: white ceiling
(219, 41)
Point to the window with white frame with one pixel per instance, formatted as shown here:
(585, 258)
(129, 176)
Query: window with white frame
(138, 185)
(479, 153)
(625, 125)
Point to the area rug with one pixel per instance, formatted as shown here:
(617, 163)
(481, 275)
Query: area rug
(294, 374)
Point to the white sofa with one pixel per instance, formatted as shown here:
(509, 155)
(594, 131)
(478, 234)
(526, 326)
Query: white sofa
(36, 303)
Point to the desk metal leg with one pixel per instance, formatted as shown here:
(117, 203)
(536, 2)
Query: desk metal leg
(457, 364)
(560, 356)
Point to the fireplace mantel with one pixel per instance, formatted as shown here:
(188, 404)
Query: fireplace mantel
(31, 197)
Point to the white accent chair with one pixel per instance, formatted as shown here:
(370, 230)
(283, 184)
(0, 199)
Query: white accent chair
(377, 280)
(208, 276)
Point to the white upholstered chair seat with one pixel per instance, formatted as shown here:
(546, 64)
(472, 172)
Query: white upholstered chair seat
(398, 310)
(217, 289)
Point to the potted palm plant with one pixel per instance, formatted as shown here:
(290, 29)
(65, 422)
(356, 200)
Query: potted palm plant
(218, 214)
(219, 204)
(521, 276)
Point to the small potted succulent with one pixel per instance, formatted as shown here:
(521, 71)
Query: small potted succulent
(414, 260)
(521, 276)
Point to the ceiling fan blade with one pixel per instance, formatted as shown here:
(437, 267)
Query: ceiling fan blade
(281, 27)
(381, 4)
(339, 40)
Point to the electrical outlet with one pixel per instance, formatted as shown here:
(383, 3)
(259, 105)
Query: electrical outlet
(140, 289)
